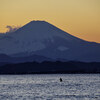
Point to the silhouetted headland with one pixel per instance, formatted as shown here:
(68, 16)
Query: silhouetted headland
(48, 67)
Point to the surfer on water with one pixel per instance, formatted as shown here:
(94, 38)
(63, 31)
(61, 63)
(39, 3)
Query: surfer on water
(60, 79)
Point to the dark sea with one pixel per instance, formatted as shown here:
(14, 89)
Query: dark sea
(49, 87)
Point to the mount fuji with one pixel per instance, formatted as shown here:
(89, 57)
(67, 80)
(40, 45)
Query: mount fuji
(46, 40)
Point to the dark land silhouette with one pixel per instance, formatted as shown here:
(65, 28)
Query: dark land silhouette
(48, 67)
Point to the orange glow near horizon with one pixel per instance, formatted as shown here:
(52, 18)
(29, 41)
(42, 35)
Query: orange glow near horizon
(80, 18)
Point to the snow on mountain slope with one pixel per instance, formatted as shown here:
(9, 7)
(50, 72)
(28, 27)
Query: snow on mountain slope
(42, 38)
(31, 37)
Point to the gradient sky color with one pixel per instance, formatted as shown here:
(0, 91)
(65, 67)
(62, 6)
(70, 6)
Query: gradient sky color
(80, 18)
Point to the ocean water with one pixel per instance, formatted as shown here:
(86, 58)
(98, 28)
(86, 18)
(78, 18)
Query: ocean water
(48, 87)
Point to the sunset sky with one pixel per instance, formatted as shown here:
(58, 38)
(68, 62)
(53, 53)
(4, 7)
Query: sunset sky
(80, 18)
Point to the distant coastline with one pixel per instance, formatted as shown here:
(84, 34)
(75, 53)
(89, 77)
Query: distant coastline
(48, 67)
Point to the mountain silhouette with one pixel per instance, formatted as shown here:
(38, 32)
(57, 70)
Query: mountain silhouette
(44, 39)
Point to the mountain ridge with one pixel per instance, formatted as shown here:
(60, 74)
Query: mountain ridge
(44, 39)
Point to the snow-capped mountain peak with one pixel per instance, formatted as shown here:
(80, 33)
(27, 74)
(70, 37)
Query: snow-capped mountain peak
(45, 39)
